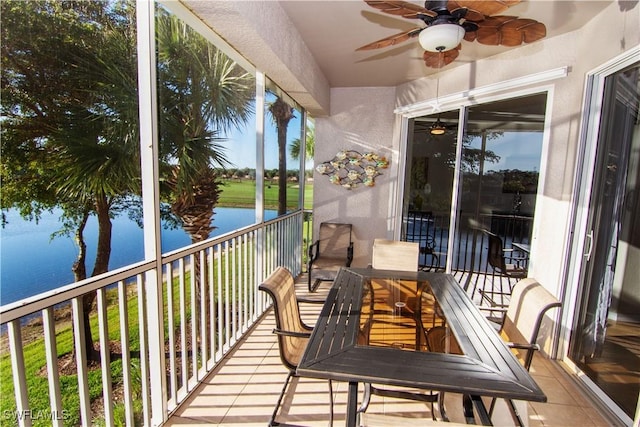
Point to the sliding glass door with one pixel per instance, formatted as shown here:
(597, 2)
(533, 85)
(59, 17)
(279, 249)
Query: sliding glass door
(605, 338)
(490, 183)
(431, 159)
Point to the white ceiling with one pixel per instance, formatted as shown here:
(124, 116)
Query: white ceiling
(333, 30)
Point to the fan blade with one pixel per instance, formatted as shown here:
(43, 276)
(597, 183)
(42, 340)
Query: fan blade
(509, 31)
(392, 40)
(401, 8)
(519, 31)
(487, 7)
(471, 15)
(489, 30)
(440, 59)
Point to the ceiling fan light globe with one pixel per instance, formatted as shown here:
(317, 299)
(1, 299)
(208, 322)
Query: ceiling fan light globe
(441, 37)
(437, 130)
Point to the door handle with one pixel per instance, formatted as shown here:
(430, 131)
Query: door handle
(587, 254)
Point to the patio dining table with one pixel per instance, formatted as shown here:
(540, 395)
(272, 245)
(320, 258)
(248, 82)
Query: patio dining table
(374, 328)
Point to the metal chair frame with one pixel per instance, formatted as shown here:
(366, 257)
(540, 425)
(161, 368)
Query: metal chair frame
(333, 249)
(293, 333)
(521, 324)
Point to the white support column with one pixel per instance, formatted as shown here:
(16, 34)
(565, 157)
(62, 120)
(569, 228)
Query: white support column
(151, 205)
(260, 110)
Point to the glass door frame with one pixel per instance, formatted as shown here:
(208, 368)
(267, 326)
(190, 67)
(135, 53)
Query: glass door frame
(461, 101)
(594, 97)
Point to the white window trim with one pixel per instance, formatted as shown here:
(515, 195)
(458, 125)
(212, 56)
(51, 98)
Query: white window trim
(479, 95)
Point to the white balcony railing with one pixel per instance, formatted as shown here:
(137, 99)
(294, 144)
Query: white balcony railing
(209, 300)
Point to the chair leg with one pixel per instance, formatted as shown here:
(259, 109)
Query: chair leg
(514, 413)
(512, 409)
(366, 398)
(330, 404)
(492, 406)
(272, 421)
(443, 412)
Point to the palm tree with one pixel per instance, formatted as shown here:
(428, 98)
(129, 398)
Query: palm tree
(203, 93)
(310, 137)
(281, 113)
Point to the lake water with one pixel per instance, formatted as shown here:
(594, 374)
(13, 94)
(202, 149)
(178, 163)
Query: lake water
(31, 262)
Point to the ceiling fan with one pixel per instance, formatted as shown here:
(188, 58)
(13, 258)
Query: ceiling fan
(450, 21)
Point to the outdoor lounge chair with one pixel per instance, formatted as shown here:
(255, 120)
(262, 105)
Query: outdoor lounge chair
(293, 333)
(332, 250)
(521, 323)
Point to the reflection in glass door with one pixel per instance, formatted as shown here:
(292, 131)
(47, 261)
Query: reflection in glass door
(431, 159)
(605, 341)
(500, 166)
(498, 183)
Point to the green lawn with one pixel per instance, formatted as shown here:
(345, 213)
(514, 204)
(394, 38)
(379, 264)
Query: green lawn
(242, 193)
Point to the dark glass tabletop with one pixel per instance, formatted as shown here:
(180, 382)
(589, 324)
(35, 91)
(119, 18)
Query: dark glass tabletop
(404, 314)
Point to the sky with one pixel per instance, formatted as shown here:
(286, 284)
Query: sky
(517, 150)
(241, 144)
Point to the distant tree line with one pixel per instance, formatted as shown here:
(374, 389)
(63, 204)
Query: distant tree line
(250, 173)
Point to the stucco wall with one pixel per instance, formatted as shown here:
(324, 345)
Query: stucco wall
(361, 119)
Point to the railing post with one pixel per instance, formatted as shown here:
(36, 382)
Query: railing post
(19, 377)
(81, 361)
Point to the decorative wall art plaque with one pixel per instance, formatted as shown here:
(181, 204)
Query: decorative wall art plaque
(350, 168)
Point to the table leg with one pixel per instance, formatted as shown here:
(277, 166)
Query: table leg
(352, 404)
(471, 402)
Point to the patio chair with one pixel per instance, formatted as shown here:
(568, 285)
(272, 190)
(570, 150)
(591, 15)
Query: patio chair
(521, 323)
(332, 250)
(293, 333)
(504, 263)
(399, 255)
(395, 255)
(501, 260)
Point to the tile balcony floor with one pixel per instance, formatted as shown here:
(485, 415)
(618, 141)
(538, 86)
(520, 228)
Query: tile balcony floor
(243, 391)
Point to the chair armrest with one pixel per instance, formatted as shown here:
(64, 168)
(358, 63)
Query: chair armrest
(313, 254)
(530, 349)
(521, 346)
(515, 259)
(310, 300)
(292, 333)
(349, 254)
